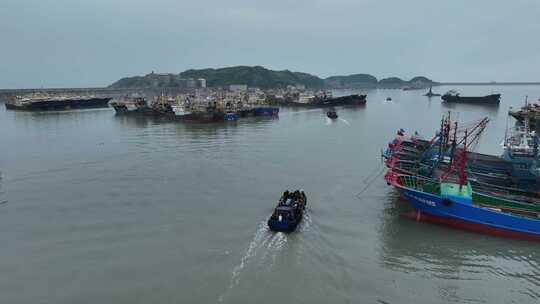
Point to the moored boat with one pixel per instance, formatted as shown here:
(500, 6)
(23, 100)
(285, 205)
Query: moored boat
(231, 116)
(529, 113)
(130, 104)
(181, 111)
(46, 102)
(289, 211)
(444, 189)
(454, 204)
(266, 111)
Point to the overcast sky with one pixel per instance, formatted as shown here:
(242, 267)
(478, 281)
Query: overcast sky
(58, 43)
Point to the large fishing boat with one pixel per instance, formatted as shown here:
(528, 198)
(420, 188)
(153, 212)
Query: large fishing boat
(45, 102)
(455, 97)
(514, 176)
(182, 108)
(529, 113)
(441, 191)
(130, 104)
(454, 204)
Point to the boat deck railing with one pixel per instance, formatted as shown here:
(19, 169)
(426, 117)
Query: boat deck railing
(420, 184)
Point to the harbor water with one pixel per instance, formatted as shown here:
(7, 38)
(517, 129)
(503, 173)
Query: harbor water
(99, 208)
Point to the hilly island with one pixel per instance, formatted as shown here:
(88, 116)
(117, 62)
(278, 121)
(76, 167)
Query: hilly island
(260, 77)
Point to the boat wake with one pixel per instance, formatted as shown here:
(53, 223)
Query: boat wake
(303, 111)
(274, 247)
(261, 237)
(264, 239)
(345, 121)
(328, 121)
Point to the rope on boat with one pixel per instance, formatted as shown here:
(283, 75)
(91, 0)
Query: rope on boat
(371, 173)
(370, 182)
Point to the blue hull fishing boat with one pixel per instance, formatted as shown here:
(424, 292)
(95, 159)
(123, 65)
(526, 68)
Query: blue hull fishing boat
(455, 205)
(448, 198)
(266, 111)
(231, 116)
(288, 214)
(516, 171)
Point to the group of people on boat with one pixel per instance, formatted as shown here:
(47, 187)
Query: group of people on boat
(293, 199)
(289, 211)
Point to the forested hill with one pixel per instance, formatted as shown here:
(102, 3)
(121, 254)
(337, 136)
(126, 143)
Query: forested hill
(260, 77)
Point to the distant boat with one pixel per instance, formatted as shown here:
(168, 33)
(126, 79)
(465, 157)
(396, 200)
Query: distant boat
(388, 98)
(332, 114)
(327, 100)
(431, 94)
(411, 88)
(454, 97)
(354, 99)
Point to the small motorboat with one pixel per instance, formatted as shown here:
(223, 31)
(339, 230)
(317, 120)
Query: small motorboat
(388, 98)
(332, 114)
(289, 211)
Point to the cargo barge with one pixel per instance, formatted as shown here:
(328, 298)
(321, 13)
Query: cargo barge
(38, 102)
(454, 97)
(323, 100)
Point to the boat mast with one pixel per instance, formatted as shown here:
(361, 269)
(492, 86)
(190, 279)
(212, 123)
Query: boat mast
(441, 140)
(506, 131)
(454, 143)
(447, 131)
(463, 160)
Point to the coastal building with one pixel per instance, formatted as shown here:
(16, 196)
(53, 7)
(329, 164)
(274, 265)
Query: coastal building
(201, 83)
(191, 83)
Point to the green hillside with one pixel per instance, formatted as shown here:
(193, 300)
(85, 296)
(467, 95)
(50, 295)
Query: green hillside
(260, 77)
(256, 76)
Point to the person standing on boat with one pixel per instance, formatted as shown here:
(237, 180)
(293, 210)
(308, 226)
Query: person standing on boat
(296, 195)
(284, 198)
